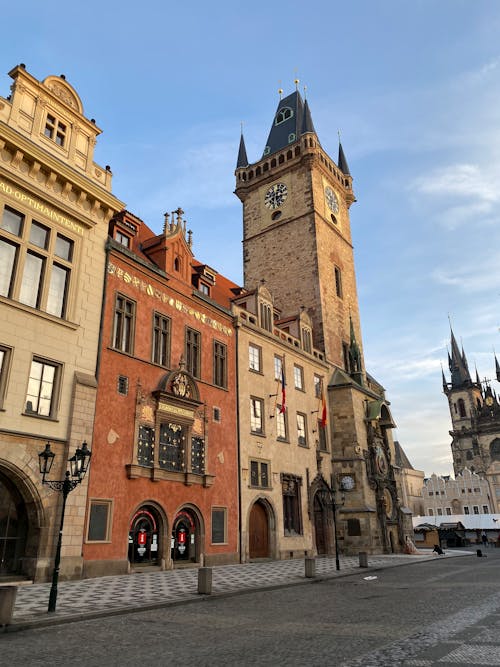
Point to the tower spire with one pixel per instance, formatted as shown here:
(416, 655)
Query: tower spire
(342, 162)
(460, 376)
(242, 152)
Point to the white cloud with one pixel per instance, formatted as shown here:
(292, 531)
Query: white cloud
(462, 180)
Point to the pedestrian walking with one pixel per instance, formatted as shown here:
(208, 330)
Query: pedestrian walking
(484, 539)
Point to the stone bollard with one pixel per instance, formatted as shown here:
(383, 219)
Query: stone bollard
(7, 602)
(310, 567)
(363, 559)
(205, 581)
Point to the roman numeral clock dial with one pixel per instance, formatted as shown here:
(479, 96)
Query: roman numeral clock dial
(276, 196)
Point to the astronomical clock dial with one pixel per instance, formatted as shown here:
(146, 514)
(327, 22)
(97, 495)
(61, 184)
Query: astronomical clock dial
(275, 196)
(381, 461)
(331, 200)
(489, 401)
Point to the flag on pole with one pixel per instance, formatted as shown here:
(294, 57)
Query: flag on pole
(283, 390)
(323, 409)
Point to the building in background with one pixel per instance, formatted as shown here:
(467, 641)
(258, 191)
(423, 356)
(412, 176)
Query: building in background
(163, 486)
(297, 238)
(468, 493)
(475, 418)
(55, 204)
(411, 481)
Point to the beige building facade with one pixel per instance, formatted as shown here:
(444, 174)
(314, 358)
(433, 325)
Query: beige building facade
(55, 204)
(467, 494)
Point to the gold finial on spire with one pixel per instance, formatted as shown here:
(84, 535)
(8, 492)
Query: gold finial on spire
(338, 132)
(296, 82)
(280, 92)
(241, 125)
(305, 92)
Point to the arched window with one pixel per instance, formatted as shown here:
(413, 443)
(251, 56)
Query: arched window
(177, 264)
(461, 407)
(495, 449)
(283, 114)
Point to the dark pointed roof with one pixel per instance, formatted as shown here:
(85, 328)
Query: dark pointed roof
(401, 459)
(342, 163)
(497, 368)
(460, 376)
(288, 124)
(242, 154)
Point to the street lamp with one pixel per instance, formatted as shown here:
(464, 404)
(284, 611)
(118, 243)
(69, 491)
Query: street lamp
(328, 497)
(78, 464)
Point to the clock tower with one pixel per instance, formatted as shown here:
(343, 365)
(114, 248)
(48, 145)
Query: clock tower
(296, 230)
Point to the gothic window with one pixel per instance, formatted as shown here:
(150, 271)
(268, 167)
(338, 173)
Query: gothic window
(220, 364)
(461, 407)
(172, 444)
(495, 449)
(306, 340)
(123, 324)
(266, 320)
(193, 352)
(145, 446)
(292, 517)
(161, 340)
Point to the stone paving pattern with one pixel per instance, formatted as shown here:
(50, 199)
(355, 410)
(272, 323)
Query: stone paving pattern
(139, 590)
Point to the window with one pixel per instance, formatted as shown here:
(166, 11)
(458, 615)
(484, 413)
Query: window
(461, 407)
(99, 528)
(431, 493)
(307, 340)
(146, 446)
(292, 518)
(266, 319)
(193, 351)
(219, 525)
(440, 512)
(278, 363)
(172, 443)
(283, 114)
(122, 239)
(318, 386)
(5, 353)
(430, 512)
(42, 388)
(42, 259)
(216, 415)
(220, 364)
(353, 527)
(448, 511)
(197, 455)
(122, 385)
(55, 130)
(204, 289)
(301, 430)
(259, 474)
(123, 325)
(254, 358)
(161, 340)
(322, 437)
(281, 426)
(475, 509)
(466, 510)
(338, 282)
(486, 509)
(256, 412)
(298, 376)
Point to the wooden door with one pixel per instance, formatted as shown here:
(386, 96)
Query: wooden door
(258, 532)
(319, 527)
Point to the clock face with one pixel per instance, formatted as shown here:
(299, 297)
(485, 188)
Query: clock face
(275, 196)
(489, 400)
(347, 483)
(331, 200)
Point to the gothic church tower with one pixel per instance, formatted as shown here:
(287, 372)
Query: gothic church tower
(296, 232)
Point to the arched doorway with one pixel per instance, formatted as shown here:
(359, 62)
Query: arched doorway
(13, 528)
(258, 532)
(144, 537)
(320, 526)
(185, 541)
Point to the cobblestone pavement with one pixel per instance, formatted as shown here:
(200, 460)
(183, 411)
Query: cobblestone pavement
(141, 590)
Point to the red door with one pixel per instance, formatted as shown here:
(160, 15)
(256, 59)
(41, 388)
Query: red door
(258, 532)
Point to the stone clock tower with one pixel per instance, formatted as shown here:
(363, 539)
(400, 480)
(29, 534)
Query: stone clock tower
(297, 240)
(297, 233)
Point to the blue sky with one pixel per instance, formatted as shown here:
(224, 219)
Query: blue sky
(414, 88)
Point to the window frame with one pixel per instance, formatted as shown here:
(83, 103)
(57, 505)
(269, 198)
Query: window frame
(120, 317)
(256, 401)
(281, 424)
(222, 510)
(258, 464)
(192, 350)
(305, 442)
(5, 363)
(162, 340)
(298, 377)
(292, 505)
(106, 502)
(220, 364)
(55, 392)
(338, 282)
(252, 347)
(55, 130)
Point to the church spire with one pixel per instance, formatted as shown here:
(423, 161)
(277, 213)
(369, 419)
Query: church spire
(497, 368)
(342, 162)
(291, 120)
(242, 154)
(460, 376)
(307, 123)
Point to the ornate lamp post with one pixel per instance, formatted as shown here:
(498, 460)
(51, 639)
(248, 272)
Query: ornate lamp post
(79, 464)
(328, 498)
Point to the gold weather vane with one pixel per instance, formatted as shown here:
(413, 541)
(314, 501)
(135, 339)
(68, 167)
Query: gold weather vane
(280, 89)
(305, 92)
(296, 82)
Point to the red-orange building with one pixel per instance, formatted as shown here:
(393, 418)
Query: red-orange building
(163, 487)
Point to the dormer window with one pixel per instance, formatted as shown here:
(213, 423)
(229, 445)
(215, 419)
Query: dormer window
(55, 130)
(283, 114)
(204, 289)
(267, 150)
(291, 137)
(122, 239)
